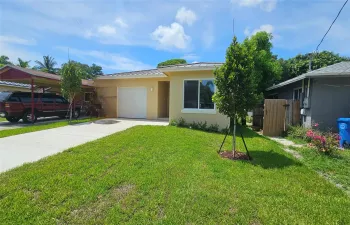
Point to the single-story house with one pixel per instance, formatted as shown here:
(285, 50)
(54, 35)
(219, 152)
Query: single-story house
(170, 92)
(324, 94)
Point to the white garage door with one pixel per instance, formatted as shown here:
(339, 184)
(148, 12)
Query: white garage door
(132, 102)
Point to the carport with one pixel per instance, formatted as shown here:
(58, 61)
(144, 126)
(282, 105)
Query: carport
(37, 80)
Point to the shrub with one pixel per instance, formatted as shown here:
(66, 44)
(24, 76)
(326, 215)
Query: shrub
(249, 119)
(298, 132)
(194, 125)
(181, 122)
(213, 128)
(324, 142)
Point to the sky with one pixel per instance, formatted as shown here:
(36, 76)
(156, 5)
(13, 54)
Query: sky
(134, 35)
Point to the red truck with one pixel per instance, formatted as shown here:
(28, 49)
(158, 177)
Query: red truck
(18, 105)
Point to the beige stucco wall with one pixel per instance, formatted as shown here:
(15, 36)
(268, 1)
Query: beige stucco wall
(107, 92)
(176, 99)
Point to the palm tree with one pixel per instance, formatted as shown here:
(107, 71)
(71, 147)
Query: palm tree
(48, 65)
(22, 63)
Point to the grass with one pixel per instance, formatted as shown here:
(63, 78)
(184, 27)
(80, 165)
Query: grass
(169, 175)
(336, 167)
(38, 127)
(296, 140)
(2, 119)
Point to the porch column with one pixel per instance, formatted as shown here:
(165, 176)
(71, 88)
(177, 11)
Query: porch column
(32, 102)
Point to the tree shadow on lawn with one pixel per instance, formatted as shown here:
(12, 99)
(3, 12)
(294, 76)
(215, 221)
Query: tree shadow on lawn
(271, 160)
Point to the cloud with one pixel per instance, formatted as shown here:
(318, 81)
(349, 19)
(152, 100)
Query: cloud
(106, 30)
(190, 57)
(14, 53)
(107, 60)
(208, 37)
(17, 40)
(170, 37)
(120, 22)
(266, 27)
(266, 5)
(185, 16)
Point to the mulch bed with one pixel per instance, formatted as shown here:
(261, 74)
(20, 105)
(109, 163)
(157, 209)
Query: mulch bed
(238, 155)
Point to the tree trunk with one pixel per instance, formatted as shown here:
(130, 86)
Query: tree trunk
(243, 121)
(234, 138)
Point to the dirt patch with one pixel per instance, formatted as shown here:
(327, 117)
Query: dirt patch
(238, 155)
(97, 210)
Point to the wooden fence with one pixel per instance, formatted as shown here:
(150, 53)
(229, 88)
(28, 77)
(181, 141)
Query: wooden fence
(277, 115)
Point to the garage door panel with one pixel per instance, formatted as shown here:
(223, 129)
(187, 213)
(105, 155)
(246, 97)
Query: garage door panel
(132, 102)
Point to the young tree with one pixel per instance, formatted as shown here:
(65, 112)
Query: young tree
(235, 84)
(4, 60)
(70, 83)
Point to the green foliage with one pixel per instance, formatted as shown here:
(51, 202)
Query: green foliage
(300, 64)
(88, 72)
(181, 122)
(71, 80)
(267, 69)
(4, 60)
(22, 63)
(47, 65)
(297, 132)
(235, 81)
(323, 142)
(171, 62)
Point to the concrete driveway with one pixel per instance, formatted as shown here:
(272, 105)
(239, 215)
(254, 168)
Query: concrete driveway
(29, 147)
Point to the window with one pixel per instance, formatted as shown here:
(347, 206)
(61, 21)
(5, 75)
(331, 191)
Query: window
(198, 94)
(13, 99)
(61, 100)
(297, 94)
(88, 96)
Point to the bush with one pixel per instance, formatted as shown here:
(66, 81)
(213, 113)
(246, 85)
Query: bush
(213, 128)
(298, 132)
(194, 125)
(324, 142)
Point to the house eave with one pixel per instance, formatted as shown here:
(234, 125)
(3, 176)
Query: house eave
(127, 77)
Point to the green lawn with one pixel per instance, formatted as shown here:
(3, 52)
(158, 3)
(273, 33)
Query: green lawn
(336, 167)
(2, 119)
(38, 127)
(173, 176)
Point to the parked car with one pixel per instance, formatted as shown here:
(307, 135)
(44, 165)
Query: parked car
(18, 105)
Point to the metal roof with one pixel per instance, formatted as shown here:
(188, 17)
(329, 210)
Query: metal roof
(335, 70)
(40, 74)
(153, 73)
(12, 84)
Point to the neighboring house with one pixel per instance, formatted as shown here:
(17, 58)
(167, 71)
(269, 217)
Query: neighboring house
(324, 94)
(10, 86)
(178, 91)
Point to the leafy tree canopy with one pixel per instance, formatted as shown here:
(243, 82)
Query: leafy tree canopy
(22, 63)
(47, 65)
(171, 62)
(267, 69)
(87, 72)
(4, 60)
(300, 64)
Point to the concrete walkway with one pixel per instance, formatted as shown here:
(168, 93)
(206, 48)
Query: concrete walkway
(29, 147)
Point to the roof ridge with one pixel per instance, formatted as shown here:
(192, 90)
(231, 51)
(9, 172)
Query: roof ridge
(135, 71)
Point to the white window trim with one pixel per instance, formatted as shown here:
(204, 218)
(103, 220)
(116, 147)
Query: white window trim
(85, 96)
(196, 110)
(298, 88)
